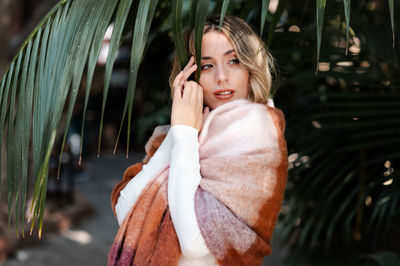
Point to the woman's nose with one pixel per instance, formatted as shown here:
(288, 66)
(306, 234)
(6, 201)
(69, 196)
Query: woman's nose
(221, 74)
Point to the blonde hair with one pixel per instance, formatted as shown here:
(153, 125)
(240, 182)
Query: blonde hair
(250, 50)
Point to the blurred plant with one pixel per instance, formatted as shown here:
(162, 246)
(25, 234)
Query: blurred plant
(343, 194)
(344, 178)
(383, 258)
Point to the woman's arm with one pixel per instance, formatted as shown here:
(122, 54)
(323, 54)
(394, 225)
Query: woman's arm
(183, 181)
(184, 173)
(134, 188)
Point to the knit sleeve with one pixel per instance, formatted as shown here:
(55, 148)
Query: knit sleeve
(183, 181)
(132, 190)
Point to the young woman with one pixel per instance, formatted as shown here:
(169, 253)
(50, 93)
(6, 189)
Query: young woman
(210, 188)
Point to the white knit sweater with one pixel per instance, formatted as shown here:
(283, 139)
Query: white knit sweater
(180, 150)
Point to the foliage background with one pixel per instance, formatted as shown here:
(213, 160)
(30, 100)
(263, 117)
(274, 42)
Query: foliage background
(342, 198)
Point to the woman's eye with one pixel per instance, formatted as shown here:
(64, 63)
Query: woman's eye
(206, 66)
(234, 61)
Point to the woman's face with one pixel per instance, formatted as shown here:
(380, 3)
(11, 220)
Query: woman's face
(223, 77)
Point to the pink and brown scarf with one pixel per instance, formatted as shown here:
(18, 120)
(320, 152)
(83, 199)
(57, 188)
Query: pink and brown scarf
(243, 159)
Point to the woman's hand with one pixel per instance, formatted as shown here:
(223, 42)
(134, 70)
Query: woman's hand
(187, 103)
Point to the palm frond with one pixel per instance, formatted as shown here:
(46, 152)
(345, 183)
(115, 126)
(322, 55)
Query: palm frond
(320, 21)
(201, 14)
(264, 13)
(122, 14)
(143, 21)
(224, 8)
(347, 8)
(94, 54)
(193, 14)
(382, 258)
(45, 74)
(177, 30)
(364, 123)
(391, 9)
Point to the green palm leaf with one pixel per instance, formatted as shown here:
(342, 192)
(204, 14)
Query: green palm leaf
(320, 21)
(177, 30)
(382, 258)
(224, 8)
(201, 14)
(264, 13)
(347, 8)
(193, 10)
(391, 9)
(94, 54)
(45, 74)
(122, 14)
(143, 21)
(352, 175)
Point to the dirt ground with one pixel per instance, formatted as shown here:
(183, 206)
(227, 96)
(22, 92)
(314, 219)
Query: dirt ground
(87, 243)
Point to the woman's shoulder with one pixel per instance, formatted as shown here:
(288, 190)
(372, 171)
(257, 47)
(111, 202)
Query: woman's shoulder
(278, 118)
(268, 113)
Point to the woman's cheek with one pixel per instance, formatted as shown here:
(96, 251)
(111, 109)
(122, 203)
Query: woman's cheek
(207, 100)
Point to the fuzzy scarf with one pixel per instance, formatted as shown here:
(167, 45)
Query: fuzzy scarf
(243, 160)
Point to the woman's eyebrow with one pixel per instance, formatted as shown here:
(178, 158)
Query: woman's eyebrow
(229, 52)
(226, 53)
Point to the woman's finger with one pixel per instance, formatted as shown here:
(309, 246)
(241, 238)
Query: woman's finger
(196, 92)
(175, 84)
(206, 112)
(189, 64)
(178, 83)
(188, 72)
(177, 93)
(200, 99)
(177, 79)
(188, 90)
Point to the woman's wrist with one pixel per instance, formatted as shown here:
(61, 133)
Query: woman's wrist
(183, 133)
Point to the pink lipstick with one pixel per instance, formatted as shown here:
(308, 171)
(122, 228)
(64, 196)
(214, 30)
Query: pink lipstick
(224, 94)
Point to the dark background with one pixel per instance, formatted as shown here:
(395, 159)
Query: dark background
(342, 199)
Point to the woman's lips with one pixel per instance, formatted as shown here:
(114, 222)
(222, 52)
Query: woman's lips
(224, 94)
